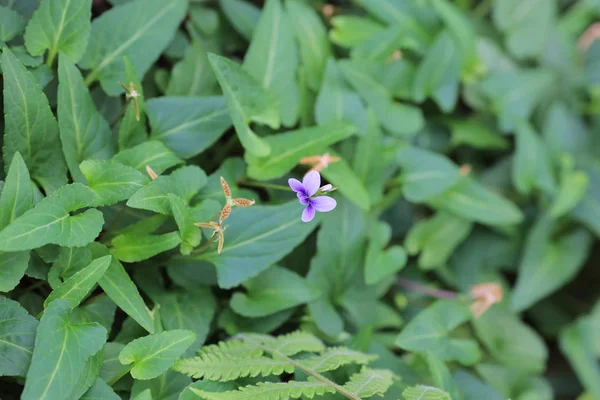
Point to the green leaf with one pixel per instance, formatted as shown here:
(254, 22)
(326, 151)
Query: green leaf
(50, 222)
(271, 391)
(351, 30)
(17, 195)
(152, 153)
(460, 28)
(154, 354)
(100, 309)
(421, 392)
(425, 174)
(369, 382)
(188, 125)
(18, 330)
(288, 344)
(224, 368)
(272, 59)
(471, 200)
(532, 166)
(77, 287)
(242, 15)
(261, 236)
(380, 263)
(475, 133)
(189, 233)
(132, 130)
(70, 260)
(192, 392)
(132, 248)
(60, 354)
(30, 127)
(192, 76)
(84, 133)
(100, 391)
(90, 372)
(139, 30)
(577, 344)
(11, 24)
(381, 45)
(550, 260)
(430, 329)
(340, 174)
(441, 375)
(167, 386)
(288, 148)
(271, 291)
(572, 188)
(12, 269)
(184, 182)
(111, 182)
(335, 357)
(247, 101)
(560, 119)
(59, 26)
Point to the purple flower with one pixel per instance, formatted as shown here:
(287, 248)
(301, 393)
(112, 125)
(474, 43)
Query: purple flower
(305, 191)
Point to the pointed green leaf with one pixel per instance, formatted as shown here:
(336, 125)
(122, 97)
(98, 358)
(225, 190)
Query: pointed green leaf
(154, 354)
(132, 248)
(441, 375)
(12, 269)
(30, 126)
(369, 382)
(189, 233)
(151, 153)
(247, 101)
(140, 30)
(243, 15)
(84, 133)
(74, 289)
(188, 125)
(60, 354)
(50, 222)
(577, 344)
(11, 24)
(111, 182)
(477, 134)
(193, 75)
(18, 330)
(288, 148)
(17, 195)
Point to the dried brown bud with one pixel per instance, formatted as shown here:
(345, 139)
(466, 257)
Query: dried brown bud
(153, 175)
(243, 202)
(486, 295)
(465, 169)
(328, 10)
(226, 189)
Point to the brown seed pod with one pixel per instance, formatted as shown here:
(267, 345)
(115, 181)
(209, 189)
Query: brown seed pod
(225, 212)
(225, 187)
(243, 202)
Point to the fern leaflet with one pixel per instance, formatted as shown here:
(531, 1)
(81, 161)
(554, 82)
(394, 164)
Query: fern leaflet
(369, 382)
(291, 344)
(336, 357)
(422, 392)
(271, 391)
(235, 348)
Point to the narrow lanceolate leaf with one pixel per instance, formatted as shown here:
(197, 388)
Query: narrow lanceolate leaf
(369, 382)
(288, 148)
(140, 30)
(247, 101)
(272, 59)
(152, 153)
(111, 182)
(61, 352)
(422, 392)
(11, 23)
(189, 233)
(219, 367)
(84, 133)
(50, 222)
(261, 235)
(74, 289)
(271, 391)
(17, 194)
(188, 125)
(154, 354)
(30, 127)
(59, 26)
(532, 166)
(132, 248)
(17, 329)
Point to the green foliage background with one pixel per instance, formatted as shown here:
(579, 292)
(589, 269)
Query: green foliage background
(469, 153)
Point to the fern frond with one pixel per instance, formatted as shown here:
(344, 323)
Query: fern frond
(223, 368)
(422, 392)
(369, 382)
(334, 358)
(291, 343)
(235, 348)
(270, 391)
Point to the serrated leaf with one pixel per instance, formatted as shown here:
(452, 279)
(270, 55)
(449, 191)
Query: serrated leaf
(272, 59)
(334, 357)
(188, 125)
(111, 182)
(61, 351)
(59, 26)
(30, 127)
(289, 344)
(132, 248)
(139, 29)
(421, 392)
(219, 367)
(18, 330)
(192, 392)
(430, 330)
(271, 291)
(154, 354)
(152, 153)
(11, 24)
(84, 133)
(193, 76)
(369, 382)
(288, 148)
(50, 221)
(243, 16)
(341, 174)
(261, 235)
(247, 101)
(271, 391)
(74, 289)
(532, 167)
(189, 233)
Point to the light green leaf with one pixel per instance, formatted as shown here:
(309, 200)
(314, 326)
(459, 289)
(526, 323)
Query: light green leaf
(421, 392)
(17, 194)
(131, 130)
(30, 127)
(112, 369)
(475, 133)
(351, 30)
(77, 287)
(560, 119)
(132, 248)
(89, 374)
(577, 344)
(152, 153)
(260, 235)
(84, 133)
(381, 45)
(154, 354)
(189, 233)
(11, 24)
(341, 174)
(532, 167)
(380, 263)
(59, 26)
(18, 330)
(139, 29)
(50, 222)
(441, 375)
(188, 125)
(271, 291)
(369, 382)
(100, 391)
(272, 59)
(288, 148)
(192, 392)
(549, 261)
(242, 15)
(460, 28)
(111, 182)
(430, 329)
(247, 101)
(12, 269)
(573, 187)
(60, 354)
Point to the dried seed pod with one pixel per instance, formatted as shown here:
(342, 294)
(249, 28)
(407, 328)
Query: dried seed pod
(243, 202)
(225, 213)
(226, 189)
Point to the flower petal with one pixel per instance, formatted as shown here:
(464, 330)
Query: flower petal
(308, 214)
(296, 185)
(303, 199)
(324, 203)
(311, 182)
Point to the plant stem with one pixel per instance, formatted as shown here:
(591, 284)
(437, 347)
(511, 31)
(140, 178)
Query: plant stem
(206, 246)
(419, 287)
(51, 57)
(308, 371)
(264, 185)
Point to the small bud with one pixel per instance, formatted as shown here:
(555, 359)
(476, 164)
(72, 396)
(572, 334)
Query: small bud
(226, 189)
(153, 175)
(327, 188)
(243, 202)
(486, 295)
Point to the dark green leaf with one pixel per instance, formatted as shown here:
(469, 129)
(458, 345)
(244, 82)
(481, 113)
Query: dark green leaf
(18, 330)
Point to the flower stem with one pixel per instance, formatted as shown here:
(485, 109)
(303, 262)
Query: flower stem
(244, 182)
(206, 246)
(419, 287)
